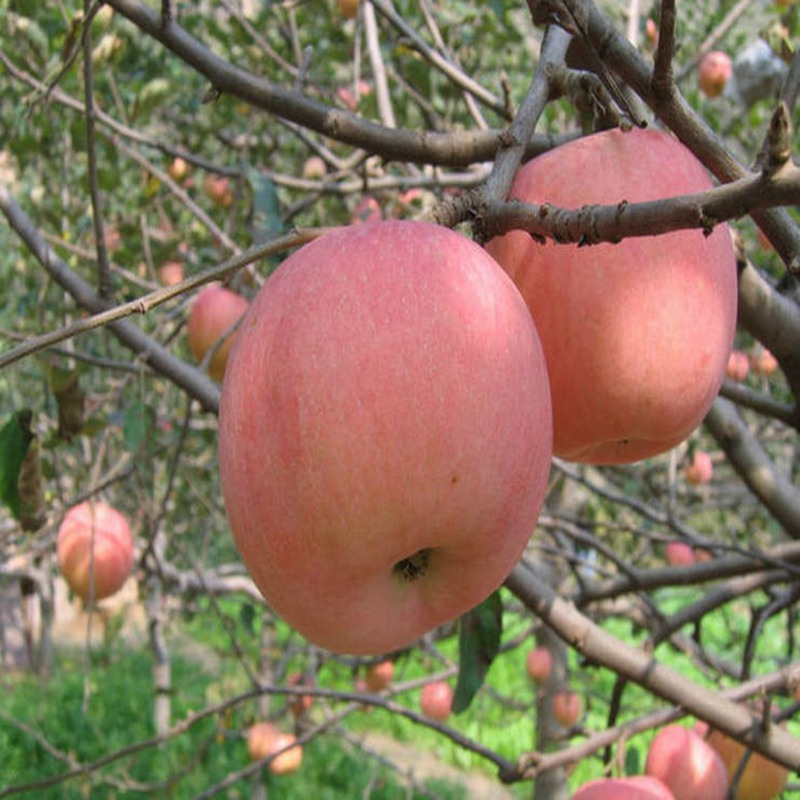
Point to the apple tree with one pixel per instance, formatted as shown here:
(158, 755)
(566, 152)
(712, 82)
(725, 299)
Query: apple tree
(159, 162)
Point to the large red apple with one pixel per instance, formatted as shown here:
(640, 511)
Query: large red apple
(436, 700)
(638, 787)
(637, 334)
(212, 313)
(385, 434)
(94, 526)
(761, 779)
(687, 764)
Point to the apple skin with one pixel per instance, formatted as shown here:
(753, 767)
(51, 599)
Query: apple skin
(170, 273)
(679, 554)
(714, 72)
(700, 469)
(637, 787)
(636, 334)
(378, 676)
(567, 708)
(264, 739)
(738, 365)
(761, 779)
(687, 764)
(212, 313)
(539, 664)
(384, 435)
(113, 549)
(436, 700)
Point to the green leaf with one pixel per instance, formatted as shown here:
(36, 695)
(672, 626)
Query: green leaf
(15, 437)
(479, 633)
(633, 761)
(137, 425)
(265, 219)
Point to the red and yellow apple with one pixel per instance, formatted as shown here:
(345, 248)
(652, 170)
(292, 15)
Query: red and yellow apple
(637, 787)
(761, 779)
(314, 168)
(95, 550)
(687, 764)
(264, 739)
(539, 664)
(384, 434)
(436, 700)
(763, 362)
(636, 334)
(170, 273)
(567, 707)
(212, 313)
(700, 469)
(218, 189)
(738, 365)
(714, 72)
(179, 169)
(378, 676)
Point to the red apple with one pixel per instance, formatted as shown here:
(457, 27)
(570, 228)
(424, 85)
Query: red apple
(170, 273)
(636, 334)
(763, 362)
(714, 72)
(436, 700)
(99, 528)
(367, 210)
(567, 707)
(687, 764)
(679, 554)
(700, 469)
(762, 779)
(378, 676)
(539, 664)
(264, 739)
(738, 365)
(347, 98)
(179, 169)
(385, 434)
(213, 312)
(348, 8)
(637, 787)
(218, 189)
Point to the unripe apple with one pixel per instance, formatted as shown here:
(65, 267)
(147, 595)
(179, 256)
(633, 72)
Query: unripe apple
(687, 764)
(636, 334)
(436, 700)
(378, 676)
(738, 365)
(170, 273)
(567, 707)
(218, 189)
(700, 469)
(637, 787)
(99, 527)
(539, 664)
(679, 554)
(260, 738)
(761, 779)
(714, 72)
(212, 313)
(384, 434)
(314, 168)
(179, 168)
(763, 362)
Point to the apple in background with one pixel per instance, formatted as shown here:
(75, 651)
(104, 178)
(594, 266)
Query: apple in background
(212, 313)
(366, 210)
(637, 787)
(218, 190)
(714, 72)
(314, 168)
(378, 676)
(98, 526)
(539, 664)
(264, 739)
(700, 469)
(637, 334)
(298, 704)
(436, 700)
(738, 365)
(762, 779)
(348, 8)
(364, 504)
(567, 707)
(170, 273)
(687, 764)
(179, 169)
(763, 362)
(679, 554)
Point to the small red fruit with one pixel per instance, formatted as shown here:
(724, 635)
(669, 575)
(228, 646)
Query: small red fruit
(179, 169)
(171, 272)
(298, 704)
(567, 707)
(436, 700)
(738, 365)
(715, 71)
(218, 189)
(680, 554)
(763, 362)
(539, 664)
(348, 8)
(367, 210)
(378, 676)
(700, 470)
(638, 787)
